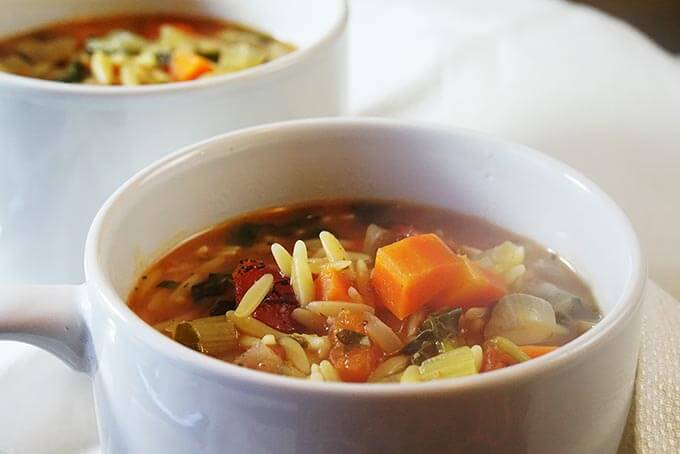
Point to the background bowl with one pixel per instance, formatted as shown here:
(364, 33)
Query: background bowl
(65, 147)
(574, 401)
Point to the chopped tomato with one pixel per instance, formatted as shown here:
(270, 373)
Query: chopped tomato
(245, 275)
(277, 308)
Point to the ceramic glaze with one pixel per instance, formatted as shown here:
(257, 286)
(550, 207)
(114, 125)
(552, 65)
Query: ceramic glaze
(153, 395)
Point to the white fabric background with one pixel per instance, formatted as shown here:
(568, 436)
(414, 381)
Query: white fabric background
(564, 79)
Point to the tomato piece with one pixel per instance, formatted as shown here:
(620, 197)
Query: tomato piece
(277, 308)
(245, 275)
(278, 316)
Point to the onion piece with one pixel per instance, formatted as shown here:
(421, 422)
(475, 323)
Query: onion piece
(563, 302)
(523, 319)
(377, 237)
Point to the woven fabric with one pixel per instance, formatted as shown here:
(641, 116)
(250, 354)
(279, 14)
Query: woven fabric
(654, 421)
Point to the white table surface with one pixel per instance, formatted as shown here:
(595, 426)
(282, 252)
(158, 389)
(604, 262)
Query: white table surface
(564, 79)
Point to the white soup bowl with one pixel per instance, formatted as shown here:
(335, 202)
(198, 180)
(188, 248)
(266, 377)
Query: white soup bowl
(155, 396)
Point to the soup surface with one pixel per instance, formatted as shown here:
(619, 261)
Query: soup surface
(137, 49)
(361, 290)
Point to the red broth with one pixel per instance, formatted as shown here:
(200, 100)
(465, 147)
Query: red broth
(416, 293)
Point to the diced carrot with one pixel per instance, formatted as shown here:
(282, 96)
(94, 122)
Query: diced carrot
(332, 285)
(422, 269)
(412, 272)
(478, 287)
(188, 66)
(355, 363)
(494, 359)
(351, 320)
(534, 351)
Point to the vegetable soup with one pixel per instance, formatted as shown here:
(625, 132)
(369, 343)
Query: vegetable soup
(137, 49)
(364, 291)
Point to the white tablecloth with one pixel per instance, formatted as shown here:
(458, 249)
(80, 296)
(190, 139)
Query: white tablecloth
(564, 79)
(561, 78)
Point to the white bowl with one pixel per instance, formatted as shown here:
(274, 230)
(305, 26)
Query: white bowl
(153, 395)
(66, 147)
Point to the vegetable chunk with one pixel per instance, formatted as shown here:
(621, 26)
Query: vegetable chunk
(189, 66)
(534, 351)
(476, 287)
(421, 270)
(332, 285)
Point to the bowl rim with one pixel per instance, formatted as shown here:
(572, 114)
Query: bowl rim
(98, 282)
(249, 75)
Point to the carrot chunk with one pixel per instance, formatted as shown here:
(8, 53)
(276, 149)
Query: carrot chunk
(422, 270)
(188, 66)
(332, 285)
(494, 358)
(477, 287)
(534, 351)
(354, 364)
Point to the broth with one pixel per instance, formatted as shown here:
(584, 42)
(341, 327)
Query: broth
(172, 290)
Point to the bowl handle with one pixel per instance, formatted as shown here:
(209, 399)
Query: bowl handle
(52, 317)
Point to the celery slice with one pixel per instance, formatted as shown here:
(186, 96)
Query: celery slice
(210, 335)
(410, 375)
(455, 363)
